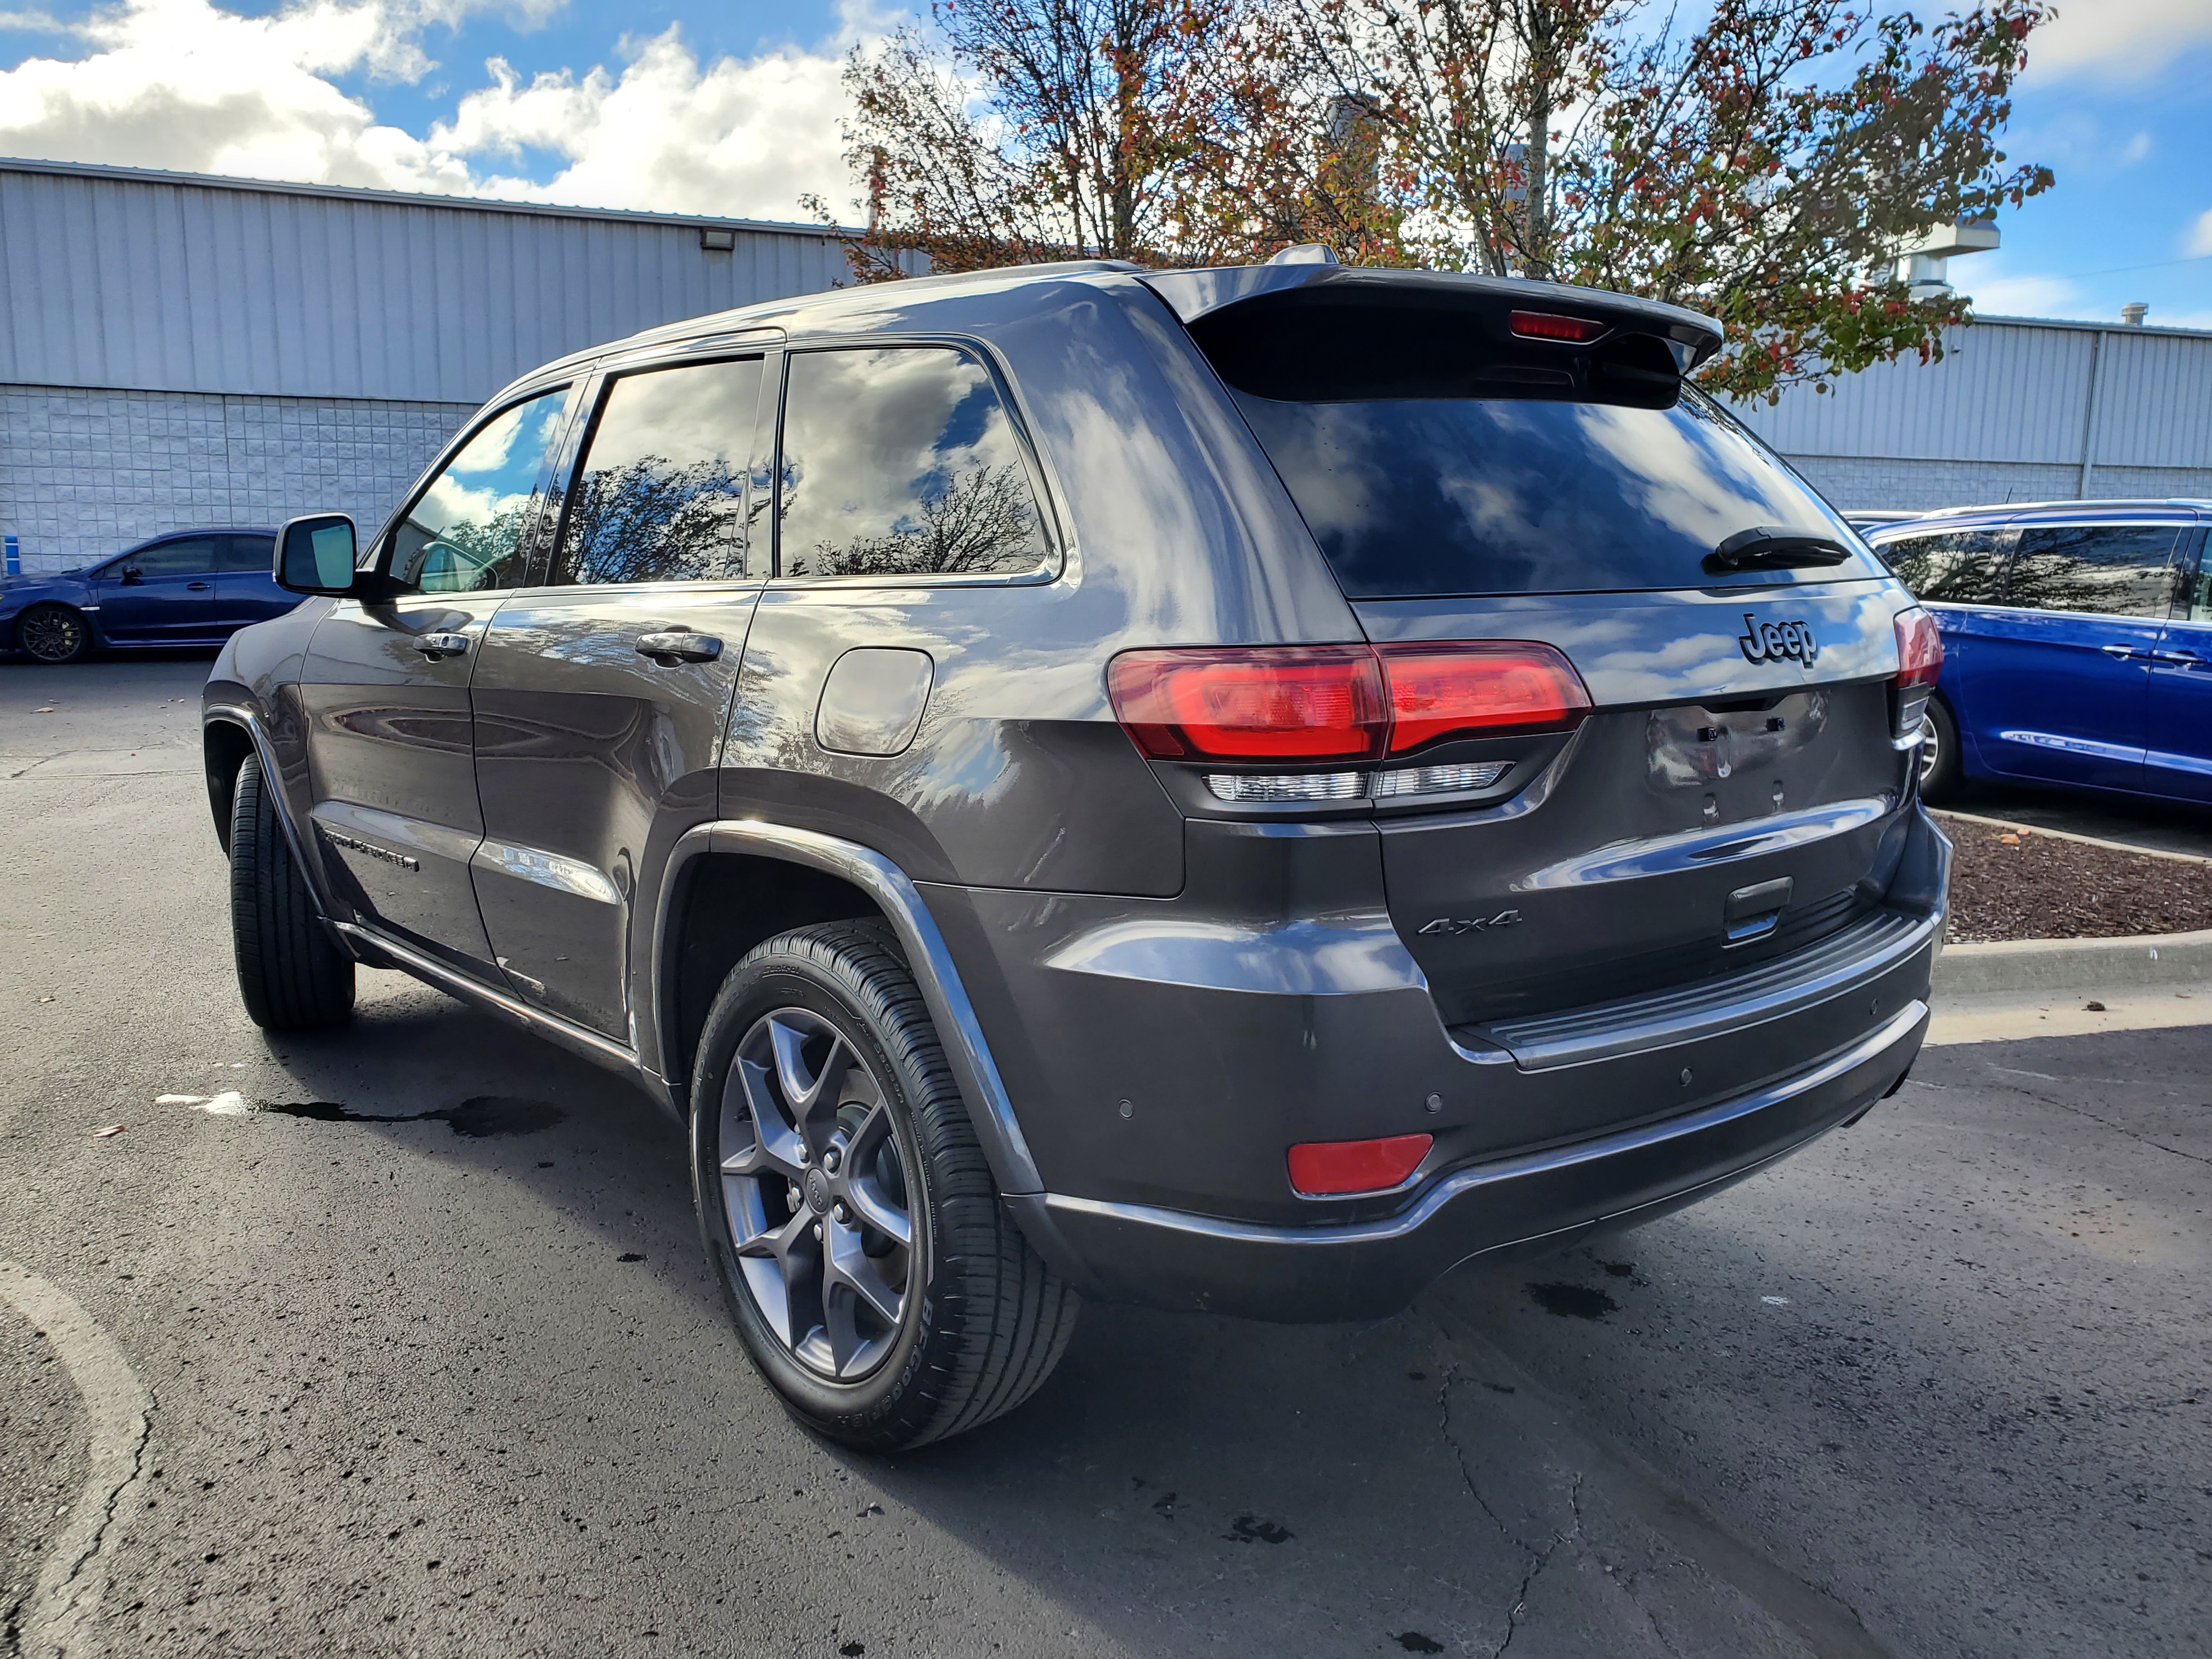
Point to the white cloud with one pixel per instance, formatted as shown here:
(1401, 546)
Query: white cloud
(2118, 39)
(2200, 238)
(1997, 292)
(183, 84)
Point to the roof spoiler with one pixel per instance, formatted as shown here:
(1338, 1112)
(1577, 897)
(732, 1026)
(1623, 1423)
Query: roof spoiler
(1192, 294)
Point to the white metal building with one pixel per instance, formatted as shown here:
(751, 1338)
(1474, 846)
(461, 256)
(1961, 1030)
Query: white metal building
(178, 350)
(2017, 410)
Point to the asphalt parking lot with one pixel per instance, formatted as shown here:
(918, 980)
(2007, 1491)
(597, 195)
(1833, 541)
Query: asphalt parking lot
(406, 1348)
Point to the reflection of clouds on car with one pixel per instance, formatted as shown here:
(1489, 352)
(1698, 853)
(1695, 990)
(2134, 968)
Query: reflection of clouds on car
(901, 461)
(460, 537)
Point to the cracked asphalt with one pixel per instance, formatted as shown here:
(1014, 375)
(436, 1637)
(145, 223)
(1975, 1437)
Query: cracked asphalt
(460, 1383)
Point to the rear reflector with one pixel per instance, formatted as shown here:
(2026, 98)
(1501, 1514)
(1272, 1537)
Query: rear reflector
(1549, 325)
(1331, 1168)
(1339, 702)
(1919, 649)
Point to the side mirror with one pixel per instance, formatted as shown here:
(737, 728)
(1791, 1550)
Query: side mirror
(315, 554)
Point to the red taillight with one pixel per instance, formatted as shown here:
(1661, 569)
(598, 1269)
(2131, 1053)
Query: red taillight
(1338, 702)
(1309, 702)
(1919, 649)
(1549, 325)
(1486, 689)
(1330, 1168)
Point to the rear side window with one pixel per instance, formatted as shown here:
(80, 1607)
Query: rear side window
(901, 461)
(1958, 566)
(2113, 570)
(256, 553)
(661, 494)
(1431, 457)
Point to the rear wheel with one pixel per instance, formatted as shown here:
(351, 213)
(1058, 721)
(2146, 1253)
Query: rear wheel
(879, 1284)
(1940, 776)
(53, 634)
(291, 973)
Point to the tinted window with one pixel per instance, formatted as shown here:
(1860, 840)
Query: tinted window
(661, 494)
(464, 534)
(2118, 570)
(902, 462)
(1960, 567)
(1414, 496)
(193, 557)
(2196, 603)
(254, 553)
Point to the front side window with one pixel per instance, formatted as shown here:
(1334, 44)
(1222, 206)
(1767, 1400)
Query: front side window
(2114, 571)
(464, 534)
(660, 495)
(901, 461)
(194, 555)
(1956, 566)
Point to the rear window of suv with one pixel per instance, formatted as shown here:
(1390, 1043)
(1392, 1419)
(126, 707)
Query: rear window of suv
(1536, 486)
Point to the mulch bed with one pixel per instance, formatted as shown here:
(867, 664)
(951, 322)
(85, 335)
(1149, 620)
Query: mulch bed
(2045, 887)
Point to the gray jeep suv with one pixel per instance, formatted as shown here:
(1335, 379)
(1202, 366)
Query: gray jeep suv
(1239, 789)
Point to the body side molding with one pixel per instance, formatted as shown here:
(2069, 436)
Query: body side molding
(380, 950)
(883, 881)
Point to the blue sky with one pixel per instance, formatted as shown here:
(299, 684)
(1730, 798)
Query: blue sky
(733, 108)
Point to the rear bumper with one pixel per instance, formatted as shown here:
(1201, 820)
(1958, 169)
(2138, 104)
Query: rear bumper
(1131, 1252)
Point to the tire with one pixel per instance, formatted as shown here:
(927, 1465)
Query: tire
(1941, 776)
(291, 973)
(796, 1190)
(53, 634)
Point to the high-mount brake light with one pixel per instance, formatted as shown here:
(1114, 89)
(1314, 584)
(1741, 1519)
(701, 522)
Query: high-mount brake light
(1484, 687)
(1322, 703)
(1919, 649)
(1550, 326)
(1337, 1169)
(1303, 702)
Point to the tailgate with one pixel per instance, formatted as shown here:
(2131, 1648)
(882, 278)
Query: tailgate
(1725, 803)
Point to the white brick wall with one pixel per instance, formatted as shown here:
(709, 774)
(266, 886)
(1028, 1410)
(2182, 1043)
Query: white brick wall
(84, 473)
(1855, 482)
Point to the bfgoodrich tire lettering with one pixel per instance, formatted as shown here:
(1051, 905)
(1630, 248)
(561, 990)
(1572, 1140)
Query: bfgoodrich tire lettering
(291, 973)
(979, 1320)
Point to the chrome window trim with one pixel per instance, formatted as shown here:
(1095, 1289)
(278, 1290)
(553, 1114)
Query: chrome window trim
(1043, 486)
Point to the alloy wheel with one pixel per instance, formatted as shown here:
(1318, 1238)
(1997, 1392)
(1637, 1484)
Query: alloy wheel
(50, 634)
(1932, 754)
(817, 1194)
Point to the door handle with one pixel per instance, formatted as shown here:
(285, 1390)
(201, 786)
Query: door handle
(437, 646)
(671, 649)
(2122, 651)
(196, 587)
(2183, 657)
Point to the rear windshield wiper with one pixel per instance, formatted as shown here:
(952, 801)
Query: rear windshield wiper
(1765, 548)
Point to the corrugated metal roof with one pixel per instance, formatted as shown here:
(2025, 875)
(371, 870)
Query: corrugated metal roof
(2015, 389)
(125, 277)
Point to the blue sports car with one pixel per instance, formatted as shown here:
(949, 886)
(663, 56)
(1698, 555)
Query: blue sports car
(2077, 644)
(195, 587)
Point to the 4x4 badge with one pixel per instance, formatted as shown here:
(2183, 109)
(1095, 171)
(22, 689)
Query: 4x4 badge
(1472, 924)
(1774, 642)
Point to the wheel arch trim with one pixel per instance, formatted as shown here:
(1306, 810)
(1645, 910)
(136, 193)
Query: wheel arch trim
(966, 1051)
(238, 715)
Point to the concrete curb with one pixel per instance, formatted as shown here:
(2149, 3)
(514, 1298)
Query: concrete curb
(2057, 965)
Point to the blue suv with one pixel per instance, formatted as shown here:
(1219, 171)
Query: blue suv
(195, 587)
(2077, 644)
